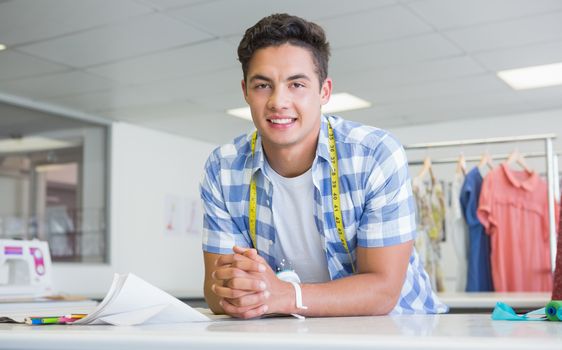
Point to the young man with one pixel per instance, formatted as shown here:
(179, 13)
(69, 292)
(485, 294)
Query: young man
(327, 198)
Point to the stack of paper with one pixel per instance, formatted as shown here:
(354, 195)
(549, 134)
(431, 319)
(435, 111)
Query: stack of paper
(132, 301)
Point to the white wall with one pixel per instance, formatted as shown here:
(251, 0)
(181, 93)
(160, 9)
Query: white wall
(515, 125)
(146, 166)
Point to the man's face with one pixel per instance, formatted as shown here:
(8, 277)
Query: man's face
(285, 96)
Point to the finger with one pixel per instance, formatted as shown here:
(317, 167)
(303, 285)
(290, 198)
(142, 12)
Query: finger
(253, 255)
(225, 259)
(227, 292)
(228, 259)
(248, 265)
(229, 273)
(243, 312)
(246, 284)
(252, 299)
(242, 250)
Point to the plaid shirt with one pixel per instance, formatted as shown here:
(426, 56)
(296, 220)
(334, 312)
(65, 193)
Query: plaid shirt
(378, 209)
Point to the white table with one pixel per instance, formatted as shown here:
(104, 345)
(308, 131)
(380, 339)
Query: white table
(487, 300)
(464, 331)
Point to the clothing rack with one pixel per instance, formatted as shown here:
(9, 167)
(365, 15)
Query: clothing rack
(548, 154)
(477, 158)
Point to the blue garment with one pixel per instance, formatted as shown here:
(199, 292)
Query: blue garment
(377, 205)
(479, 274)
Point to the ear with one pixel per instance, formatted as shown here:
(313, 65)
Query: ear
(326, 91)
(244, 91)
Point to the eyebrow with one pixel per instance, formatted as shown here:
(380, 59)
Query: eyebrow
(298, 76)
(292, 77)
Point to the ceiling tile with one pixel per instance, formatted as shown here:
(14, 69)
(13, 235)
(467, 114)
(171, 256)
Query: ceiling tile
(170, 90)
(549, 97)
(17, 65)
(400, 51)
(463, 103)
(168, 4)
(53, 85)
(519, 32)
(175, 109)
(438, 89)
(249, 12)
(370, 26)
(519, 57)
(409, 74)
(136, 36)
(446, 14)
(194, 59)
(25, 21)
(221, 102)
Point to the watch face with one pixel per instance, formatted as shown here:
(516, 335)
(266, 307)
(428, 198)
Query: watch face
(288, 276)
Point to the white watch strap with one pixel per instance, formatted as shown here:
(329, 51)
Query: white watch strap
(298, 299)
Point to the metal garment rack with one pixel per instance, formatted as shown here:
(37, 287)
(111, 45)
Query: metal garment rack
(548, 154)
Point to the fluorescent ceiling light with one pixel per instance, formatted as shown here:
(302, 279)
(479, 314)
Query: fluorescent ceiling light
(338, 102)
(344, 102)
(242, 112)
(2, 47)
(533, 77)
(33, 143)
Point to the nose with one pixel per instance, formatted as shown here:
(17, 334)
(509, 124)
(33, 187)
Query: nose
(278, 100)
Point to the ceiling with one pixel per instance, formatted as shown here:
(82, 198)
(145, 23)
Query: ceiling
(171, 64)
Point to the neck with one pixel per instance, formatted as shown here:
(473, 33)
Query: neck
(292, 160)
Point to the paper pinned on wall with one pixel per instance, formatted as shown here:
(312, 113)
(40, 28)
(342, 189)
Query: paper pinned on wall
(133, 301)
(182, 215)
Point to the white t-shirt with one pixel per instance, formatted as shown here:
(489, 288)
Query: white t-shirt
(298, 240)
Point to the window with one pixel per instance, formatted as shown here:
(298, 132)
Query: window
(53, 180)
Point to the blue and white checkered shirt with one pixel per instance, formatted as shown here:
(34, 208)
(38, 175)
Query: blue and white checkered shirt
(378, 209)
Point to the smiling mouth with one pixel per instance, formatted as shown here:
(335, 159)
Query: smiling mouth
(281, 121)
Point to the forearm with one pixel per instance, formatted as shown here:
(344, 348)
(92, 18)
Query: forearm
(361, 294)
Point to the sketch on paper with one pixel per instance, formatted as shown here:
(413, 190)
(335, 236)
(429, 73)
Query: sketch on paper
(182, 215)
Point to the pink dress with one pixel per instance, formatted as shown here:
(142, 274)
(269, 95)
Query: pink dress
(513, 209)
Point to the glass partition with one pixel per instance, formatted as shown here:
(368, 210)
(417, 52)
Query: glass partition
(53, 183)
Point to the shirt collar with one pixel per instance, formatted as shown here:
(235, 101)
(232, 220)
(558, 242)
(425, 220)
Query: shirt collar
(527, 184)
(322, 150)
(258, 159)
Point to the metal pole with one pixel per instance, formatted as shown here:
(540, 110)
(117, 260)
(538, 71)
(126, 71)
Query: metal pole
(477, 158)
(551, 222)
(510, 139)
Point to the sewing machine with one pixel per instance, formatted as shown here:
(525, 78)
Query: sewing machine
(25, 269)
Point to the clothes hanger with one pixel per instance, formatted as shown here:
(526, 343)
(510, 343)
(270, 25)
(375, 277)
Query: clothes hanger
(517, 158)
(486, 159)
(427, 168)
(461, 165)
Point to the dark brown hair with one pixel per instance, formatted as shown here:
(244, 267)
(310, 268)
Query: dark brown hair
(279, 29)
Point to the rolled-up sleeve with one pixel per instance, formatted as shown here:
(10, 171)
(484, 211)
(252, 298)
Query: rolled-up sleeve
(220, 232)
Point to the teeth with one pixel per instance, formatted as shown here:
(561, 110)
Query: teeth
(281, 121)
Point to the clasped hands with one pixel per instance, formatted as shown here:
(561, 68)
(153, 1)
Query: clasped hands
(247, 287)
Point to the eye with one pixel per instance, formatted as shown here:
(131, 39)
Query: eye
(297, 85)
(261, 86)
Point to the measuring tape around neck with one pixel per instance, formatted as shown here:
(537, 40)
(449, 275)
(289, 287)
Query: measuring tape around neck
(334, 175)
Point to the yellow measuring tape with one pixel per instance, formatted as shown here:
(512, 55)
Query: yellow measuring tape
(335, 194)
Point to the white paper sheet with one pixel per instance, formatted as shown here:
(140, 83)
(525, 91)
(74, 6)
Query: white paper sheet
(132, 301)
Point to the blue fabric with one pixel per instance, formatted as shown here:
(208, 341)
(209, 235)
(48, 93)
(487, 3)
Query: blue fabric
(377, 205)
(479, 274)
(504, 312)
